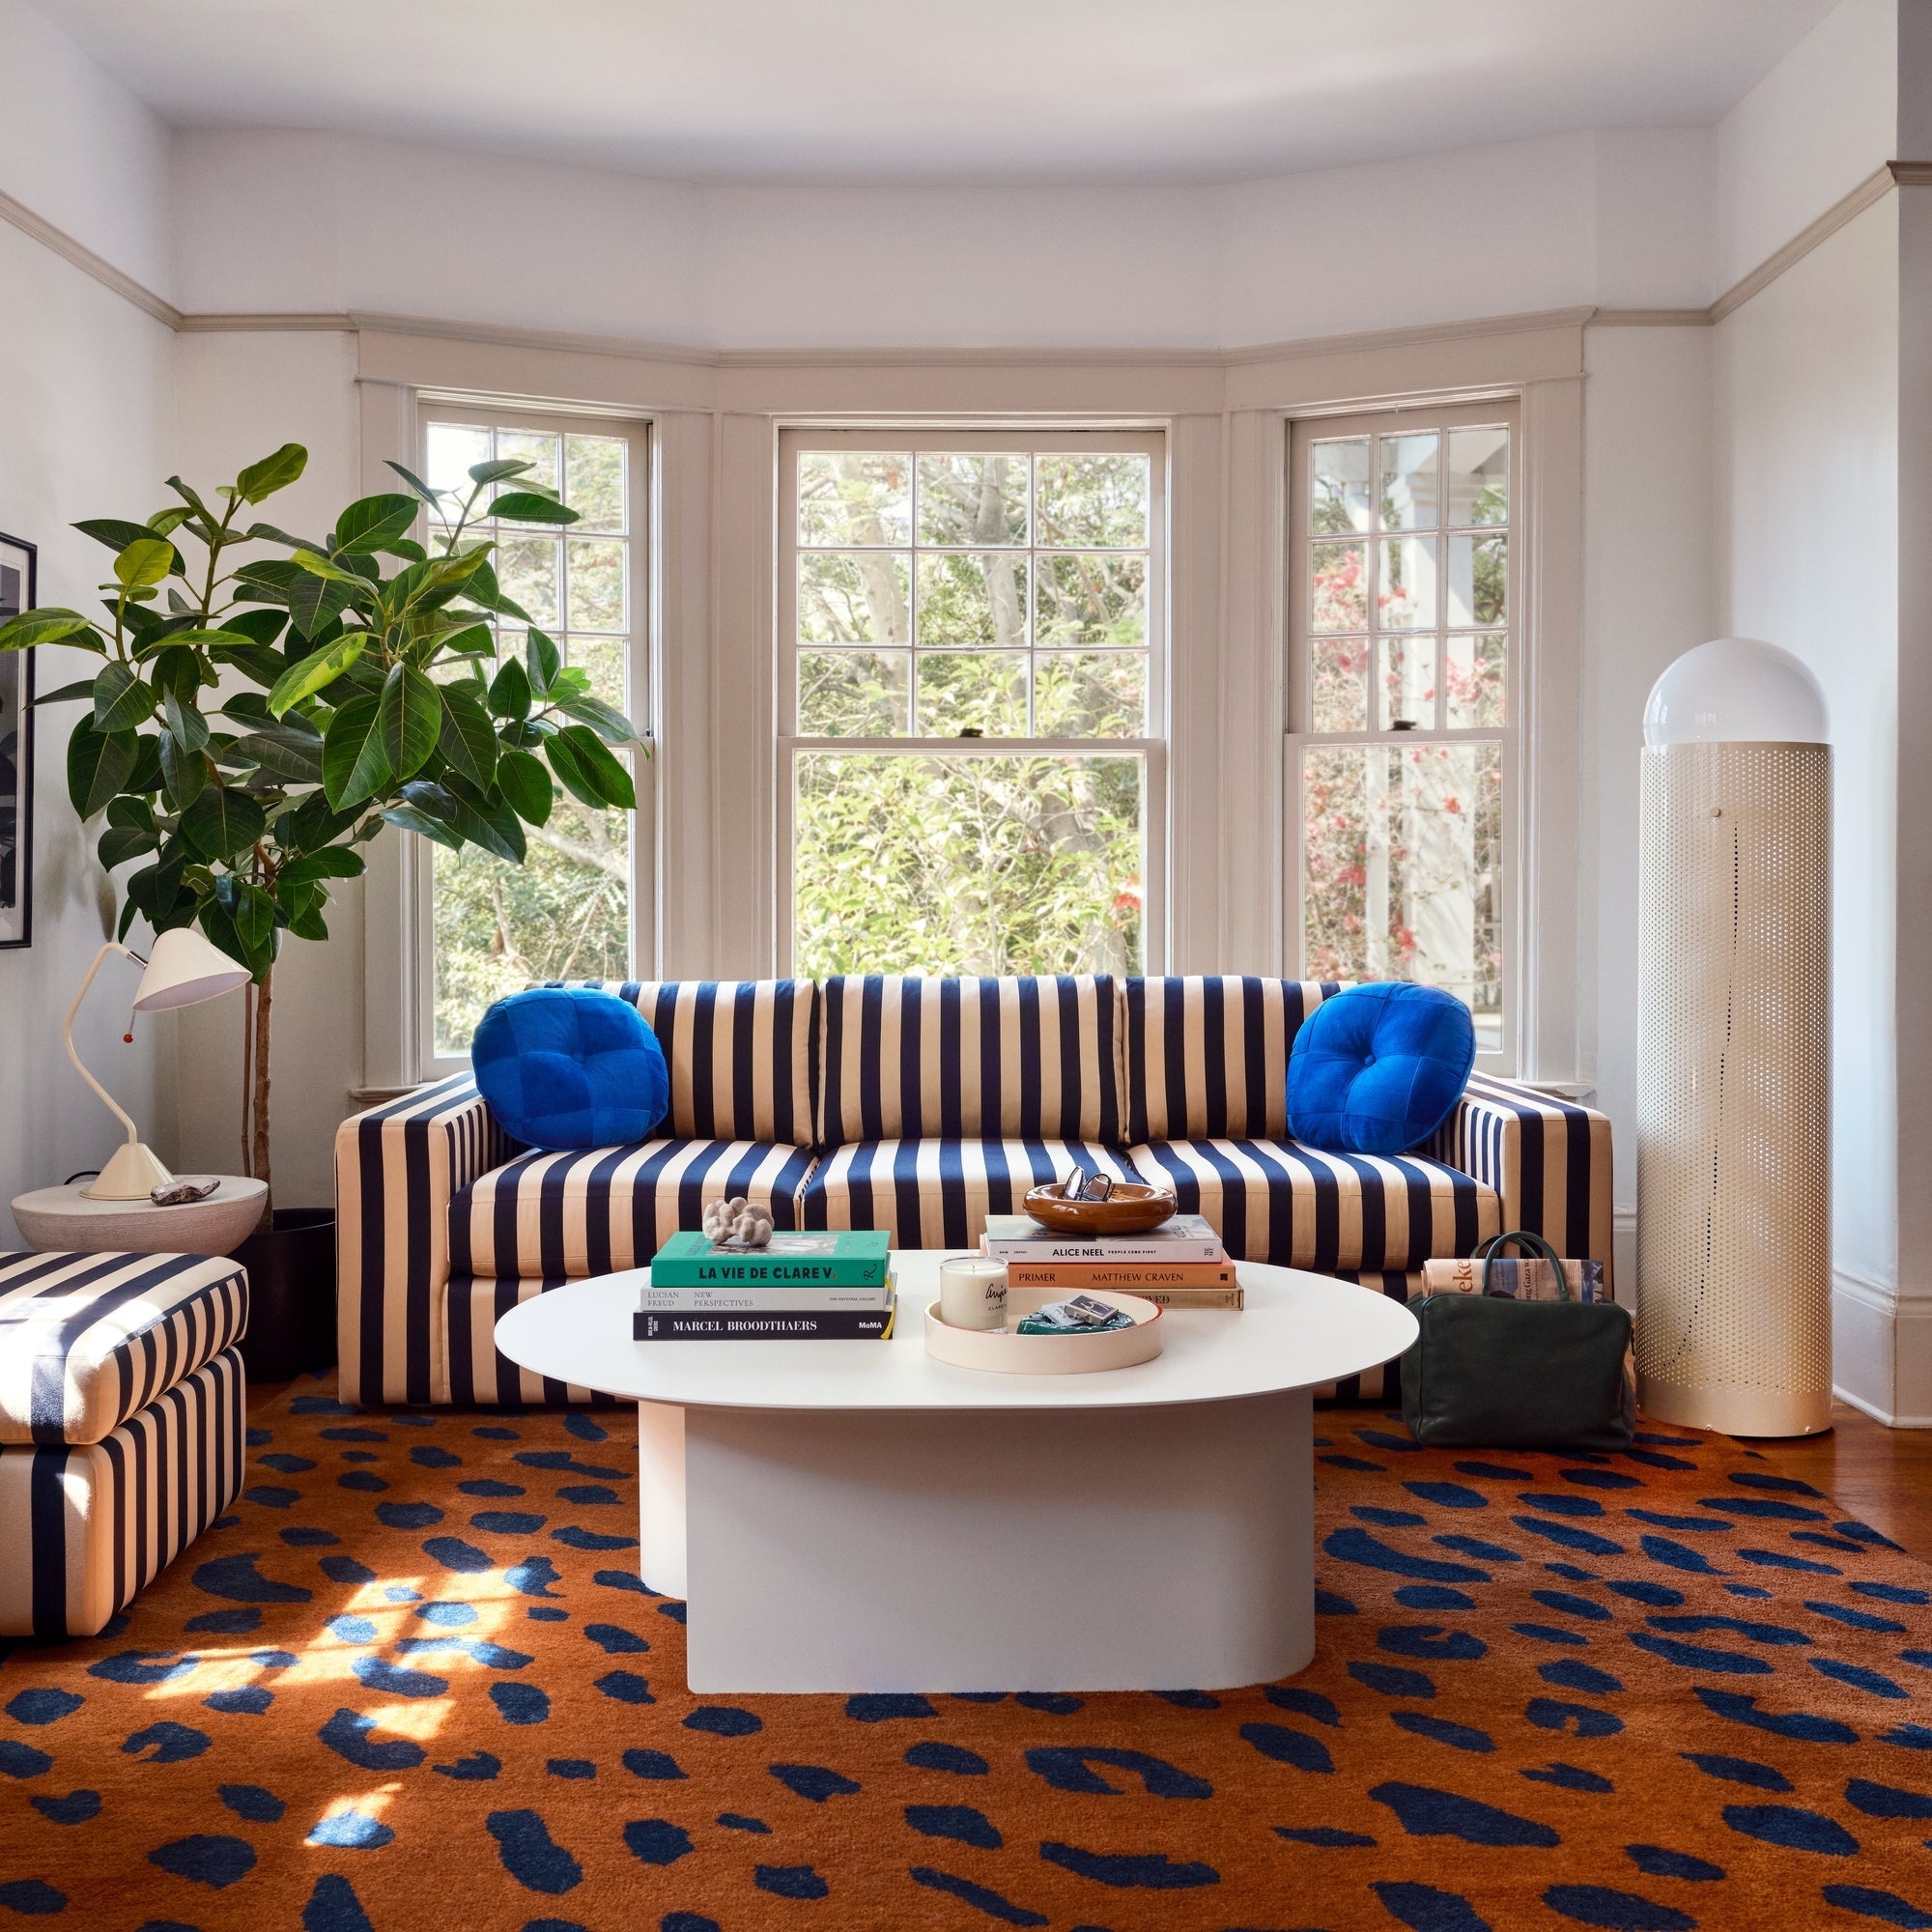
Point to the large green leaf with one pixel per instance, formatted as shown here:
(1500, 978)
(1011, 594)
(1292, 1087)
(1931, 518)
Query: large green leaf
(499, 469)
(220, 822)
(184, 773)
(185, 724)
(354, 765)
(121, 700)
(50, 626)
(67, 693)
(467, 739)
(525, 506)
(254, 915)
(411, 720)
(604, 778)
(482, 821)
(510, 691)
(99, 764)
(465, 640)
(120, 843)
(262, 664)
(132, 814)
(303, 907)
(544, 660)
(483, 590)
(433, 498)
(320, 566)
(314, 604)
(258, 627)
(156, 891)
(407, 818)
(146, 777)
(307, 676)
(117, 534)
(273, 473)
(284, 753)
(373, 524)
(310, 826)
(605, 720)
(524, 782)
(145, 561)
(332, 861)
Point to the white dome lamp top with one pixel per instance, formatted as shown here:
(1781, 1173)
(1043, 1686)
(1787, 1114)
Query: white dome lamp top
(1736, 690)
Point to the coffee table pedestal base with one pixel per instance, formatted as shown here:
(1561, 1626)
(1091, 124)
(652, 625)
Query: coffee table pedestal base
(1087, 1550)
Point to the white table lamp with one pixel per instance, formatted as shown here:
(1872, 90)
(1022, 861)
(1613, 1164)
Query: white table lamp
(182, 969)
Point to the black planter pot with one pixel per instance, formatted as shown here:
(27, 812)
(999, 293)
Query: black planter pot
(290, 1295)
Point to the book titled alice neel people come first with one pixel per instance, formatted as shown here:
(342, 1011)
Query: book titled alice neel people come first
(850, 1258)
(1019, 1237)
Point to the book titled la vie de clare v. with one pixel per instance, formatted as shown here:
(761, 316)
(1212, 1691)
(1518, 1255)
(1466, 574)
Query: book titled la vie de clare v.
(839, 1257)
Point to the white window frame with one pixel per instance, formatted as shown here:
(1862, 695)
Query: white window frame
(1152, 749)
(1302, 430)
(642, 695)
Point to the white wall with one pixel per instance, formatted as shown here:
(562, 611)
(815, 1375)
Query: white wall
(1647, 598)
(84, 420)
(1616, 218)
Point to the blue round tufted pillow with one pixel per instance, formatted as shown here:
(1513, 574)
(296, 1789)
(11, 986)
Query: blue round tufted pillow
(570, 1066)
(1379, 1067)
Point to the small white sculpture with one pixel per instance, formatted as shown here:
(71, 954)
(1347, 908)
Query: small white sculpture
(737, 1224)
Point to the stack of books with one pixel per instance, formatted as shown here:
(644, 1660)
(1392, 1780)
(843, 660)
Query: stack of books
(1180, 1264)
(804, 1287)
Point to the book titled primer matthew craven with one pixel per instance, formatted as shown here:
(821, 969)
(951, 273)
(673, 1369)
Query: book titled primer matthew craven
(839, 1258)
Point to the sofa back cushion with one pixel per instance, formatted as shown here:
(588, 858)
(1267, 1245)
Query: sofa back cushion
(740, 1053)
(903, 1058)
(1209, 1057)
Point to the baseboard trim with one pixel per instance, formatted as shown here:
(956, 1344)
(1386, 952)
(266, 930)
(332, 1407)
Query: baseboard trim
(1877, 1414)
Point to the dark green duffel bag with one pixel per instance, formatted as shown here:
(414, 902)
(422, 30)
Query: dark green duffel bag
(1489, 1373)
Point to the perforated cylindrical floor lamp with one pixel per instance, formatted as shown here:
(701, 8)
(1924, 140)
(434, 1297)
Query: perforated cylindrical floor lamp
(1734, 1148)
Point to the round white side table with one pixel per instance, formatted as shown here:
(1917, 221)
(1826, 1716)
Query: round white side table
(55, 1219)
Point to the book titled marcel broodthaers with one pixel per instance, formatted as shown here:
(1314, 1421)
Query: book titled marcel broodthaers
(764, 1325)
(1019, 1237)
(841, 1257)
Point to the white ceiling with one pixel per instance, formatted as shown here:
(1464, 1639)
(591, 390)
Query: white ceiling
(977, 89)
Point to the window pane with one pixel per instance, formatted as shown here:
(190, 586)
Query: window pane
(604, 658)
(1340, 486)
(452, 448)
(1479, 475)
(860, 598)
(565, 914)
(995, 865)
(1091, 501)
(972, 691)
(1410, 481)
(527, 570)
(1339, 579)
(594, 480)
(1403, 862)
(854, 694)
(596, 583)
(1340, 671)
(1406, 684)
(1474, 679)
(972, 499)
(861, 496)
(1090, 694)
(1478, 579)
(977, 600)
(1095, 600)
(1408, 593)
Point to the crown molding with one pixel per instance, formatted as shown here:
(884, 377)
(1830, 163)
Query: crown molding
(265, 325)
(1650, 318)
(1875, 187)
(88, 261)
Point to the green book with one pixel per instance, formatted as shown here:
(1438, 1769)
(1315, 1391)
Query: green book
(842, 1258)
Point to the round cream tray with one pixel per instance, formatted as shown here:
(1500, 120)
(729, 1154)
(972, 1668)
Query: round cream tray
(1003, 1351)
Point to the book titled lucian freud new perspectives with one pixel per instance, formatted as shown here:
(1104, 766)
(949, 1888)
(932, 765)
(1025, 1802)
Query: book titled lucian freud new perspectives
(838, 1258)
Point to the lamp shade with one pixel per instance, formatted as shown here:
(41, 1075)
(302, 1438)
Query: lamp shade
(183, 968)
(1736, 691)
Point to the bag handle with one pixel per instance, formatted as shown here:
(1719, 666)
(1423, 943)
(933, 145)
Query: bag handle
(1534, 1247)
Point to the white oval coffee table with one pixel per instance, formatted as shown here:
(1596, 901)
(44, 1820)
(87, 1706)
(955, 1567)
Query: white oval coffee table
(856, 1515)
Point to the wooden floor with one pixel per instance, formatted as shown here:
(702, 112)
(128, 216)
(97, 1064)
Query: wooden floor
(1883, 1476)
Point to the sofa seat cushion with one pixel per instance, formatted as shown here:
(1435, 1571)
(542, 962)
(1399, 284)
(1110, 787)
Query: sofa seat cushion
(571, 1214)
(1299, 1207)
(86, 1341)
(937, 1193)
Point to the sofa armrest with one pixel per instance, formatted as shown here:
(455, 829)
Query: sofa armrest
(1548, 1159)
(396, 1168)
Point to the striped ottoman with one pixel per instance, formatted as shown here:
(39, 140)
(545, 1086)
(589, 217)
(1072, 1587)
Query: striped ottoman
(120, 1425)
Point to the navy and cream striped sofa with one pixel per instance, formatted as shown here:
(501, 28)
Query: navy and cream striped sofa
(919, 1105)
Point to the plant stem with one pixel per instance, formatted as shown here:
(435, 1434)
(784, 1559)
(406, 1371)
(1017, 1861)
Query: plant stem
(263, 999)
(247, 1066)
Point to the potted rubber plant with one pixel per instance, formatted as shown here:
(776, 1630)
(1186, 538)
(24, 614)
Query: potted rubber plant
(267, 702)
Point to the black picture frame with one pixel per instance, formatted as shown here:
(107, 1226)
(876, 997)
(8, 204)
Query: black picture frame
(19, 590)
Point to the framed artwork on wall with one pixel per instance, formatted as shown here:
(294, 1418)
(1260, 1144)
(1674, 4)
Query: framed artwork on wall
(18, 590)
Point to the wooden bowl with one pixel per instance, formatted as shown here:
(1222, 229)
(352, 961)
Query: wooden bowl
(1132, 1208)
